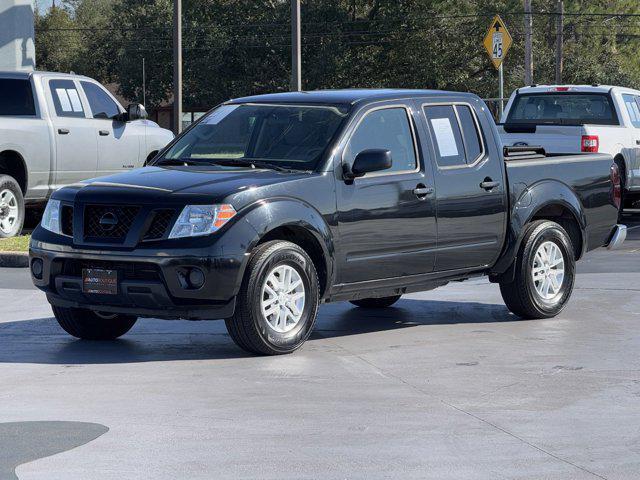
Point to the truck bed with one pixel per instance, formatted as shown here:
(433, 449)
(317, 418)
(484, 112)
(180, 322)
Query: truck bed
(587, 174)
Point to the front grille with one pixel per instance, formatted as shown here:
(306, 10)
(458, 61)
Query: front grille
(162, 220)
(108, 222)
(127, 271)
(66, 220)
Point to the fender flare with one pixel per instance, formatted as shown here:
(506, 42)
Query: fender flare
(531, 201)
(265, 216)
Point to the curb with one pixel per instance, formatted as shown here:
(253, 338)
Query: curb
(14, 259)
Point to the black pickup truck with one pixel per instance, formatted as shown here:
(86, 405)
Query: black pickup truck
(271, 205)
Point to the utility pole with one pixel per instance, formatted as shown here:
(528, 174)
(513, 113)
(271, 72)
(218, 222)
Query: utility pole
(559, 41)
(144, 83)
(177, 66)
(296, 47)
(528, 35)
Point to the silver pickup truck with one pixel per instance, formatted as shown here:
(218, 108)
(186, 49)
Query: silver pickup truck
(57, 129)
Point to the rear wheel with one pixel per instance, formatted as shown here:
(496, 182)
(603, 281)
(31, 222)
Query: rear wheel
(382, 302)
(89, 325)
(11, 207)
(277, 305)
(545, 272)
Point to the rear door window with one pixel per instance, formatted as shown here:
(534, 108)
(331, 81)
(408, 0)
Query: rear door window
(16, 97)
(447, 135)
(66, 99)
(472, 137)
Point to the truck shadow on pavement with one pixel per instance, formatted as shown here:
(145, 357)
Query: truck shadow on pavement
(23, 442)
(43, 341)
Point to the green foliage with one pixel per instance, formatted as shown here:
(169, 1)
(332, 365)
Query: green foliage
(241, 47)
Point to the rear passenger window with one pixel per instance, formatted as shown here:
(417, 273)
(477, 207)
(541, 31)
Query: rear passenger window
(472, 142)
(630, 101)
(457, 138)
(387, 129)
(447, 136)
(66, 99)
(16, 97)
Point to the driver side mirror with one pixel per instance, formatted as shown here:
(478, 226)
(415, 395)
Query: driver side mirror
(136, 111)
(369, 161)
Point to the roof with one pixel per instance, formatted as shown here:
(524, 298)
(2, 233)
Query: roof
(36, 73)
(342, 97)
(573, 88)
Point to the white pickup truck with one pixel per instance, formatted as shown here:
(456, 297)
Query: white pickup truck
(57, 129)
(579, 118)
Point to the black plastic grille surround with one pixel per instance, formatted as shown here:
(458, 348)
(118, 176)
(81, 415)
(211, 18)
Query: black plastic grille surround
(127, 271)
(108, 222)
(160, 224)
(66, 220)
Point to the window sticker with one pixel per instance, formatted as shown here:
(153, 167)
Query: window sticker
(65, 103)
(75, 100)
(444, 137)
(220, 114)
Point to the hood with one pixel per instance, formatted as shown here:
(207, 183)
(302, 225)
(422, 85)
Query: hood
(207, 182)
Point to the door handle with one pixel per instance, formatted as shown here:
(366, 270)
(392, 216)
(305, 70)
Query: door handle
(104, 133)
(422, 191)
(637, 142)
(63, 131)
(489, 184)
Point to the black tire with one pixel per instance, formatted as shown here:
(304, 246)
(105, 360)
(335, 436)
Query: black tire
(382, 302)
(248, 327)
(89, 325)
(521, 296)
(9, 183)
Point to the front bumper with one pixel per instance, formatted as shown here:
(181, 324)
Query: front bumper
(148, 285)
(618, 236)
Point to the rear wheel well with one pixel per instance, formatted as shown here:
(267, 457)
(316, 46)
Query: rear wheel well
(567, 220)
(12, 164)
(308, 242)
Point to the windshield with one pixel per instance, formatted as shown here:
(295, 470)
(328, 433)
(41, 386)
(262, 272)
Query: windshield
(289, 136)
(563, 109)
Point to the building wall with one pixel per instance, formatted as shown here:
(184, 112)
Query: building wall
(17, 48)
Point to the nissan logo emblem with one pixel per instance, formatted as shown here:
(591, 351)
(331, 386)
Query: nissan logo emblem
(108, 221)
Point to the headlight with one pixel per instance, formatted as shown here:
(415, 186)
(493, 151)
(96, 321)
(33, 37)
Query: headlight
(51, 216)
(198, 220)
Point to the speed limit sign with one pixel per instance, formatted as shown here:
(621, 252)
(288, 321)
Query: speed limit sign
(497, 41)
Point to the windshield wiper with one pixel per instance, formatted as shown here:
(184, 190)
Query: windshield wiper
(183, 161)
(249, 163)
(225, 162)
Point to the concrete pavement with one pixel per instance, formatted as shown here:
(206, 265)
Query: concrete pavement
(447, 385)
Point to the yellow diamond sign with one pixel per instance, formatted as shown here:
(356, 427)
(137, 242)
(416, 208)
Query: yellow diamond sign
(497, 41)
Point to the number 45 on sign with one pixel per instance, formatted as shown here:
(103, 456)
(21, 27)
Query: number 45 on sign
(497, 41)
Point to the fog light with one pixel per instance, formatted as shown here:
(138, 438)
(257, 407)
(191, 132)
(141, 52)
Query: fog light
(36, 268)
(196, 278)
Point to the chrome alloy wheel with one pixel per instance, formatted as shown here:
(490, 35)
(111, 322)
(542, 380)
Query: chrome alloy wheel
(282, 298)
(548, 270)
(8, 211)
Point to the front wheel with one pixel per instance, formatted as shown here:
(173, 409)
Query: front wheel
(277, 305)
(89, 325)
(545, 272)
(12, 210)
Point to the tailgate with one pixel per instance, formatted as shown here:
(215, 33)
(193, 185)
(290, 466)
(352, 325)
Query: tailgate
(554, 138)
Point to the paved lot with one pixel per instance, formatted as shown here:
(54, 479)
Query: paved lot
(447, 385)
